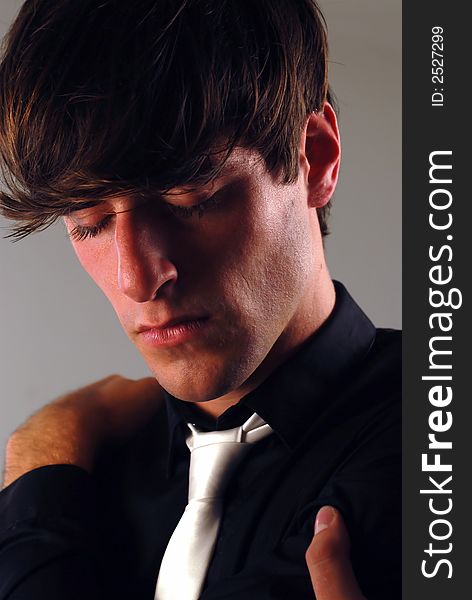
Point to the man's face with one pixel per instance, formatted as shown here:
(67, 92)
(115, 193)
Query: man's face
(233, 272)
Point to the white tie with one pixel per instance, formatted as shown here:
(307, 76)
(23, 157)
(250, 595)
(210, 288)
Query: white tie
(214, 456)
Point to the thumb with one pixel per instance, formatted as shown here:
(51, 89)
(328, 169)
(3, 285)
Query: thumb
(329, 561)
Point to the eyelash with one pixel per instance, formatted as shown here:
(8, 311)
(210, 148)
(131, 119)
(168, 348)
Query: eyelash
(82, 232)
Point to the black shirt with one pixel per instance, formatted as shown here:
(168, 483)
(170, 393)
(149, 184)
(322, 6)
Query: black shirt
(334, 407)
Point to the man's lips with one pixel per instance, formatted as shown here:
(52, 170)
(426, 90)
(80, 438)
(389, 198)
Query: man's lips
(169, 323)
(173, 331)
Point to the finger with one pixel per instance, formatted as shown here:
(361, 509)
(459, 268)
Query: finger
(329, 561)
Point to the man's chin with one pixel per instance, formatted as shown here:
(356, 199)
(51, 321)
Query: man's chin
(194, 393)
(209, 375)
(200, 387)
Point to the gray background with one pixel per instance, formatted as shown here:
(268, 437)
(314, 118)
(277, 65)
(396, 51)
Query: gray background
(57, 330)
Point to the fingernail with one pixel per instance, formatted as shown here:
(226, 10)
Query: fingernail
(323, 518)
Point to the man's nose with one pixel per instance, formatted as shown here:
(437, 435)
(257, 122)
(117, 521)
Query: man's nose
(143, 268)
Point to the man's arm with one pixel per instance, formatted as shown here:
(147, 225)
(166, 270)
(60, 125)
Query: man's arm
(49, 548)
(71, 429)
(48, 544)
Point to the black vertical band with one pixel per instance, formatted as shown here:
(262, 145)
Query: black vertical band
(437, 257)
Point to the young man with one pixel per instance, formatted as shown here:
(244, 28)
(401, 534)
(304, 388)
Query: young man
(192, 150)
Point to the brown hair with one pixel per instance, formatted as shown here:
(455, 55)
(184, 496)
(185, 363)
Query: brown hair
(103, 97)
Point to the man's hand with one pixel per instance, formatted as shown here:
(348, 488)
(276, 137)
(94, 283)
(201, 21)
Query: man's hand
(72, 428)
(328, 559)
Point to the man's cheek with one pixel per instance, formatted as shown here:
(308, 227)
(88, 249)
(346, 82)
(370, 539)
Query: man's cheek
(103, 272)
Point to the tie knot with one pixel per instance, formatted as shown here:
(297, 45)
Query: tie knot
(215, 455)
(252, 430)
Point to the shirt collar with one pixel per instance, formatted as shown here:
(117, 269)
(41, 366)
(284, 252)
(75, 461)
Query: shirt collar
(291, 397)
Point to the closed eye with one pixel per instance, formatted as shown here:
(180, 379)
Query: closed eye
(82, 232)
(195, 209)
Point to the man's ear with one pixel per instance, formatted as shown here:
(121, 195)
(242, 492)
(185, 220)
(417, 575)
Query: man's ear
(320, 155)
